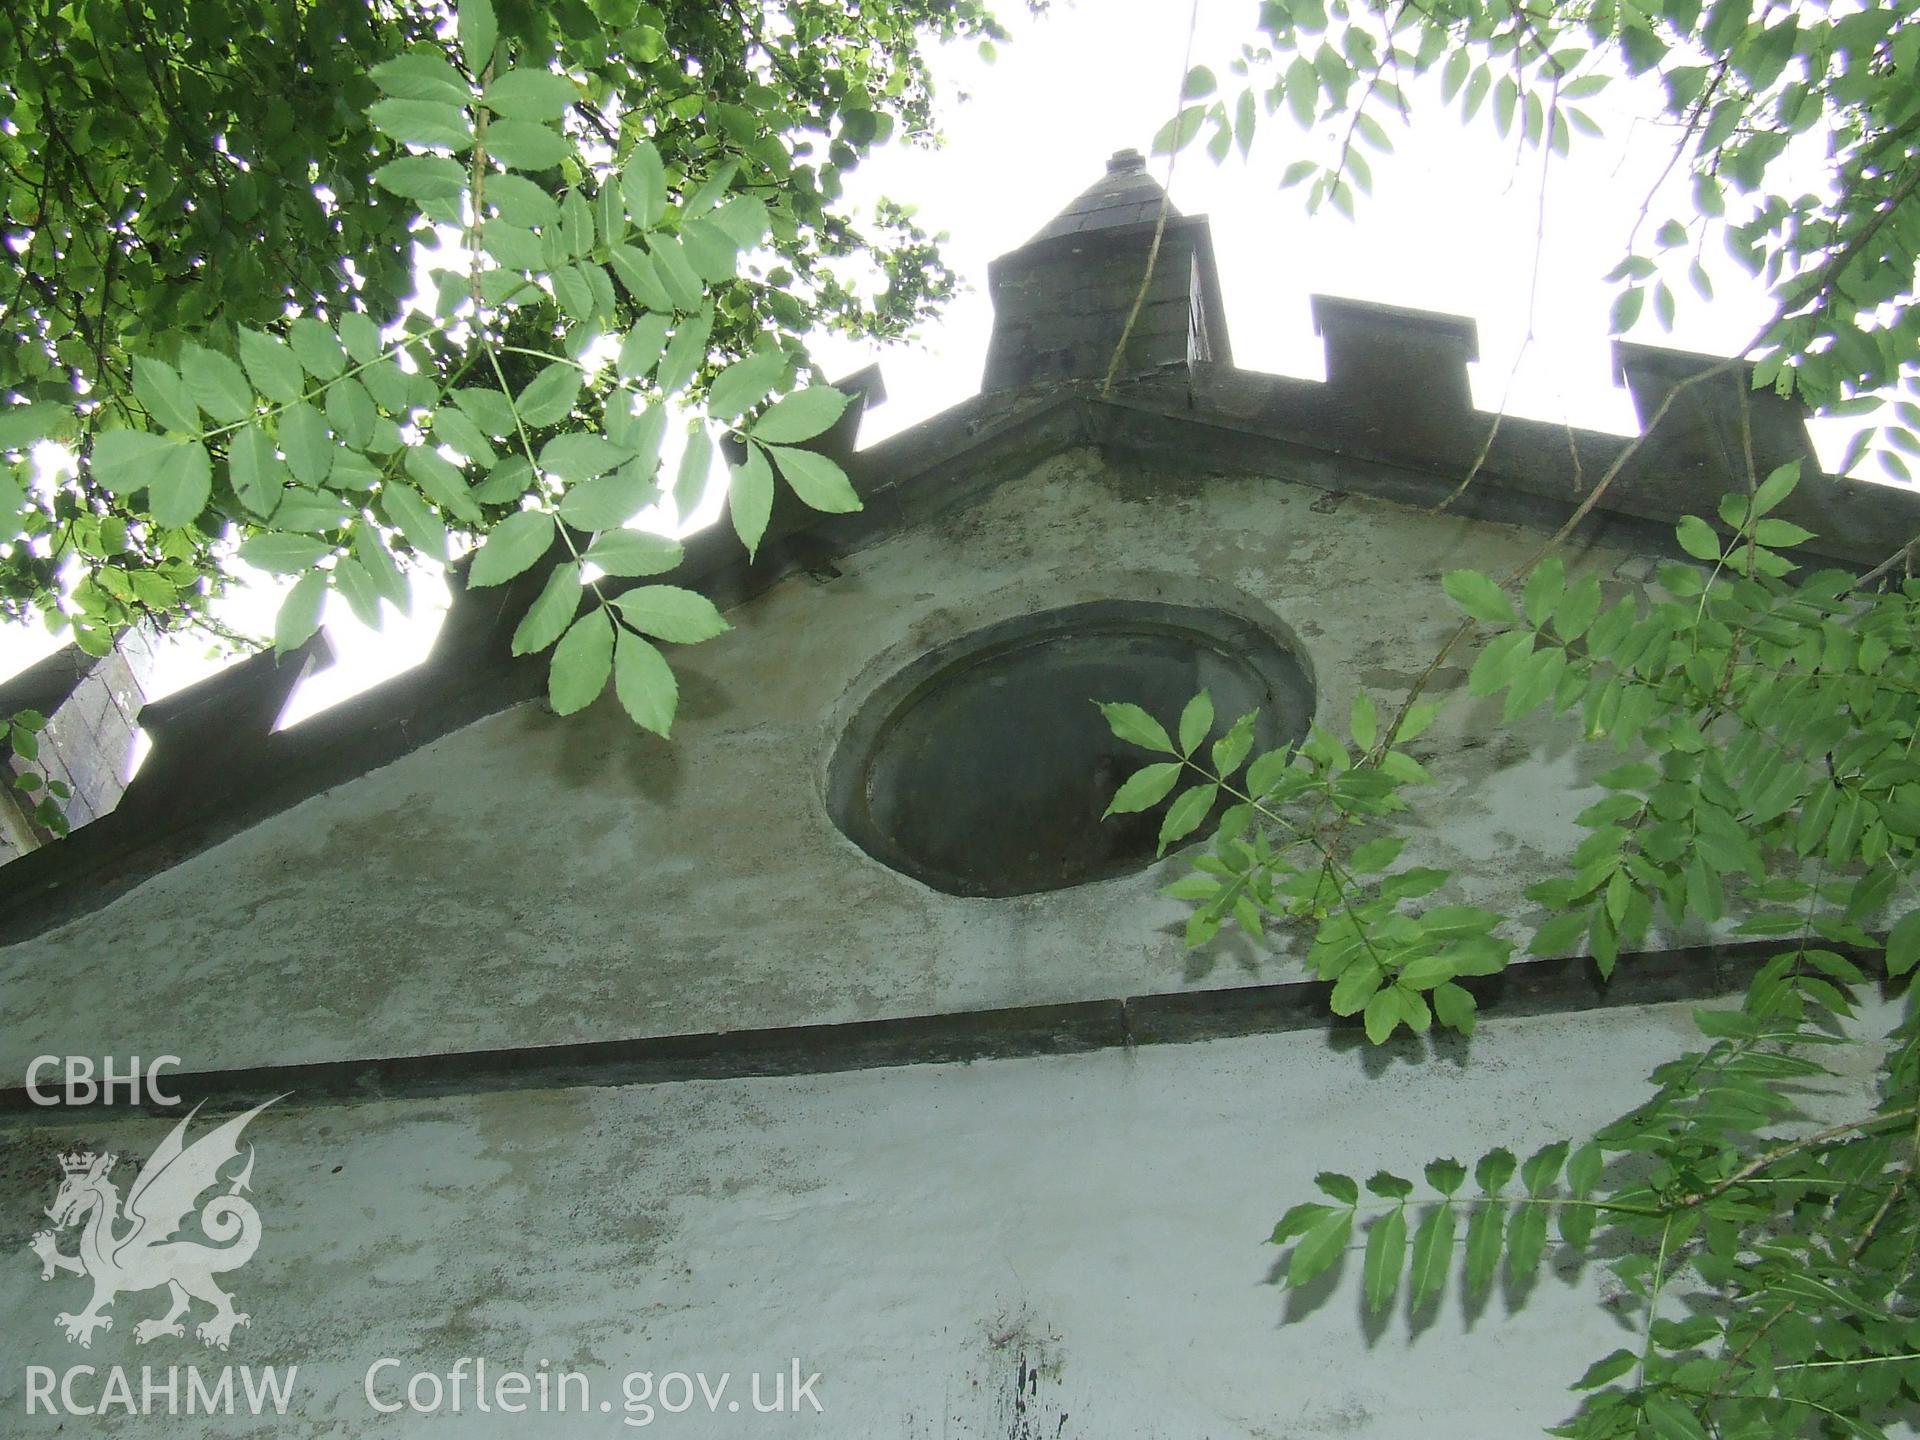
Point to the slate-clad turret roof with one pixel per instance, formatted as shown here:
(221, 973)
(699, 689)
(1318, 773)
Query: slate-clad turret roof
(1125, 195)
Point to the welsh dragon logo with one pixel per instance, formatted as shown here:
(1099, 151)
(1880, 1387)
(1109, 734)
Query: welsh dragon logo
(132, 1247)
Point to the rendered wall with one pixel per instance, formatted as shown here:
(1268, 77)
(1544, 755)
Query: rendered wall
(531, 880)
(922, 1238)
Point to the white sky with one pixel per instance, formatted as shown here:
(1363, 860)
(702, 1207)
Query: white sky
(1450, 227)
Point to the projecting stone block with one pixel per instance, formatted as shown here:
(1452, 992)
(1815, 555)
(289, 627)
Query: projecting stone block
(1709, 419)
(210, 740)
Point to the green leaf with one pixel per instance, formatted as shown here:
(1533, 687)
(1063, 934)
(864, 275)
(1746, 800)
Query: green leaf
(1543, 590)
(419, 524)
(511, 547)
(1781, 534)
(709, 250)
(427, 179)
(1672, 1419)
(1179, 132)
(1697, 538)
(1903, 944)
(1446, 1176)
(487, 409)
(1357, 986)
(1455, 1007)
(1196, 720)
(581, 456)
(610, 500)
(421, 75)
(422, 122)
(744, 384)
(311, 510)
(1135, 726)
(549, 396)
(1389, 1186)
(745, 218)
(1231, 748)
(694, 473)
(451, 426)
(644, 683)
(158, 387)
(304, 439)
(643, 181)
(283, 554)
(1364, 721)
(1144, 789)
(1526, 1239)
(513, 247)
(1386, 1254)
(24, 426)
(1382, 1015)
(272, 367)
(255, 470)
(1776, 487)
(552, 611)
(639, 434)
(351, 413)
(686, 352)
(676, 272)
(750, 498)
(574, 291)
(1319, 1248)
(299, 614)
(582, 661)
(478, 31)
(521, 202)
(800, 416)
(1484, 1236)
(1376, 854)
(351, 580)
(360, 335)
(377, 561)
(1474, 593)
(1495, 1169)
(819, 482)
(317, 348)
(1432, 1256)
(1540, 1171)
(182, 483)
(1185, 815)
(1298, 1220)
(1612, 1367)
(640, 350)
(1498, 664)
(641, 277)
(123, 460)
(525, 145)
(529, 94)
(1626, 310)
(669, 612)
(442, 480)
(633, 552)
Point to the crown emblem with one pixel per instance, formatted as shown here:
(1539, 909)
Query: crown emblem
(81, 1161)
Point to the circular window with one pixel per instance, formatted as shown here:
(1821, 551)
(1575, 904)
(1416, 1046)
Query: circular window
(984, 768)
